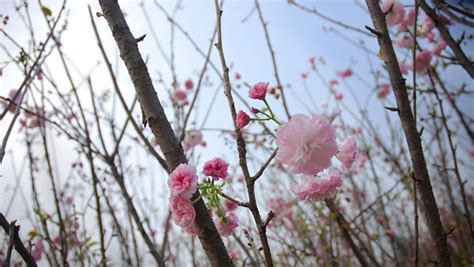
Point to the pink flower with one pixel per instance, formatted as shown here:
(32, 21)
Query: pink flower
(403, 68)
(242, 119)
(306, 144)
(423, 59)
(404, 41)
(188, 84)
(237, 76)
(229, 205)
(233, 255)
(438, 47)
(216, 168)
(183, 181)
(69, 200)
(312, 60)
(11, 96)
(182, 212)
(471, 154)
(227, 226)
(254, 110)
(344, 73)
(383, 90)
(380, 219)
(37, 251)
(427, 26)
(313, 188)
(347, 152)
(409, 20)
(179, 97)
(395, 10)
(304, 76)
(192, 139)
(259, 90)
(333, 82)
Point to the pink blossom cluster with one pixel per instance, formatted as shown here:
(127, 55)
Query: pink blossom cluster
(226, 226)
(193, 138)
(183, 181)
(346, 152)
(423, 59)
(257, 91)
(183, 184)
(394, 12)
(313, 188)
(37, 251)
(216, 168)
(307, 145)
(395, 15)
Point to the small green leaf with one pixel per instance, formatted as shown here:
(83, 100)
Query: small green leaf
(46, 11)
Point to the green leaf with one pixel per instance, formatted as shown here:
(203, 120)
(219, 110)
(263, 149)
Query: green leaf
(46, 11)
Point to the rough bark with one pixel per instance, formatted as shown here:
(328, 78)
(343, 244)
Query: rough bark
(412, 136)
(160, 126)
(19, 247)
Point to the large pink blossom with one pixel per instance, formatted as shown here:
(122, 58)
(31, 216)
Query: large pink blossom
(423, 60)
(228, 226)
(306, 144)
(216, 168)
(182, 212)
(192, 139)
(242, 119)
(317, 188)
(183, 181)
(344, 73)
(395, 10)
(259, 90)
(346, 152)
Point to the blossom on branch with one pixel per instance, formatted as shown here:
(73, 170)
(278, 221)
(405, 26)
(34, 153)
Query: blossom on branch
(306, 144)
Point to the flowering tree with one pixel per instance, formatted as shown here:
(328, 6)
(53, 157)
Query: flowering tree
(286, 176)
